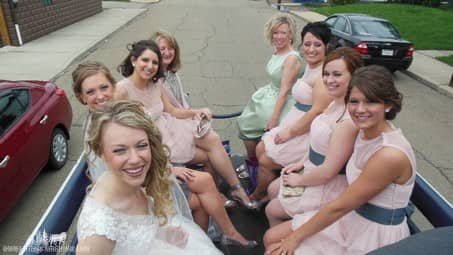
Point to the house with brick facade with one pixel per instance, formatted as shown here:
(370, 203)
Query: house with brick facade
(24, 20)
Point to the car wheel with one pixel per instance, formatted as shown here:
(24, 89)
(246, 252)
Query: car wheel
(58, 149)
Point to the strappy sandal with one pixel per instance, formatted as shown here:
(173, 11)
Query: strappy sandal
(259, 204)
(249, 205)
(228, 204)
(242, 168)
(226, 240)
(249, 170)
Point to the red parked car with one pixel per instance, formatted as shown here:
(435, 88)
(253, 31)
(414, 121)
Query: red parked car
(35, 120)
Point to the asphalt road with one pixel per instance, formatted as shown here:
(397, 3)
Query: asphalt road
(223, 55)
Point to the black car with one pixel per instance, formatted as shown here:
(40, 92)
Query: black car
(376, 39)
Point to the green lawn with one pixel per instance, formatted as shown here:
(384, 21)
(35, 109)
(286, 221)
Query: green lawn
(427, 28)
(448, 59)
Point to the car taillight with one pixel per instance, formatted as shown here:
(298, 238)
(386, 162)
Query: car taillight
(60, 92)
(361, 48)
(410, 51)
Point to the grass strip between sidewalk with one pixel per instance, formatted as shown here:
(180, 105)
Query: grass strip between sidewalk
(448, 59)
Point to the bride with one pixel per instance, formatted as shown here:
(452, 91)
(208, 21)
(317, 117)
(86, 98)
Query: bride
(129, 210)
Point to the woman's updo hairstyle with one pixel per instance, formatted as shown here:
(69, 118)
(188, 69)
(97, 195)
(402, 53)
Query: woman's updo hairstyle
(377, 85)
(319, 29)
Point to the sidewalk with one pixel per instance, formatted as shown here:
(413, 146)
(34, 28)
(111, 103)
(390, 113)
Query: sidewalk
(424, 68)
(47, 56)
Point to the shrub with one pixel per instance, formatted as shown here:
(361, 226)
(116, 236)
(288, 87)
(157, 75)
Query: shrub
(342, 2)
(432, 3)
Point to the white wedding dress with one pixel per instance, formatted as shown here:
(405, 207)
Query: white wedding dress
(137, 234)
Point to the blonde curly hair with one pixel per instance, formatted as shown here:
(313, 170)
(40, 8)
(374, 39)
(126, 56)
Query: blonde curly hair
(277, 20)
(131, 114)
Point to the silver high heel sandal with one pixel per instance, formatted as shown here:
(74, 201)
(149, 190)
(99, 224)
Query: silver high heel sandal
(241, 168)
(249, 205)
(229, 204)
(226, 240)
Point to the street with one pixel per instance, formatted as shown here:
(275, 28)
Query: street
(223, 54)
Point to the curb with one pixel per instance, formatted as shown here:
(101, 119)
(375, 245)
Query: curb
(316, 16)
(442, 89)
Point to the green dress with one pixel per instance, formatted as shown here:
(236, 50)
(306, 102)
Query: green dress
(258, 110)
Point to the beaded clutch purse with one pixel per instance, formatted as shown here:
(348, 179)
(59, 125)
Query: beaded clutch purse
(204, 125)
(289, 191)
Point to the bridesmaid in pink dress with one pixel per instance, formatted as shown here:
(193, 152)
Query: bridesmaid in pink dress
(288, 142)
(143, 70)
(331, 140)
(373, 211)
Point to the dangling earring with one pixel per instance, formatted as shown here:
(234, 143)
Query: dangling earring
(387, 110)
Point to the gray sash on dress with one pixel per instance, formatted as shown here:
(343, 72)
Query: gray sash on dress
(302, 107)
(385, 216)
(315, 157)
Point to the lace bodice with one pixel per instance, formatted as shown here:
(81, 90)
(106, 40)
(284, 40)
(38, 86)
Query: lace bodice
(137, 234)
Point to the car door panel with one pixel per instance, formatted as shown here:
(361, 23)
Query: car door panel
(40, 126)
(13, 143)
